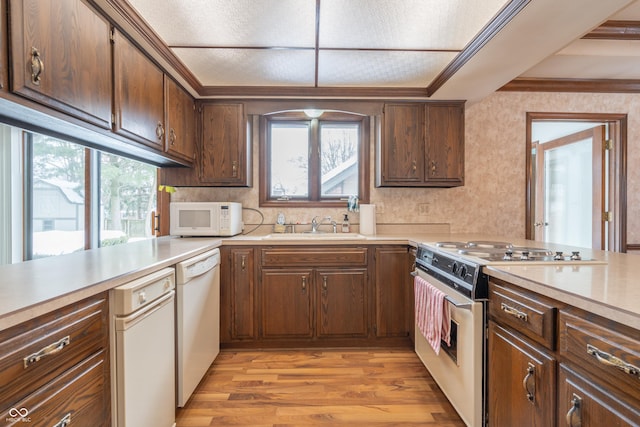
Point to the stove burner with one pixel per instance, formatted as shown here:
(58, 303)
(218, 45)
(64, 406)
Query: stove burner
(451, 245)
(488, 244)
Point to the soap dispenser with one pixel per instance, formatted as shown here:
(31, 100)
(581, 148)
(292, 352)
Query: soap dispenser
(345, 224)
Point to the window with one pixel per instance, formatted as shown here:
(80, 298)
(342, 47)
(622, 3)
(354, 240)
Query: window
(313, 161)
(127, 199)
(75, 198)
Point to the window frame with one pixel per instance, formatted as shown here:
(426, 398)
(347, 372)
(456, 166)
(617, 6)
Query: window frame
(315, 198)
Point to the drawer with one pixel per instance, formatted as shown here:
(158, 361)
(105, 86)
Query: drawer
(35, 352)
(528, 313)
(80, 396)
(606, 349)
(314, 257)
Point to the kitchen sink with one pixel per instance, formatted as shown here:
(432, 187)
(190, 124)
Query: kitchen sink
(313, 236)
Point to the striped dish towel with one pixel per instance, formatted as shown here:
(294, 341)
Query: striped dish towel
(432, 312)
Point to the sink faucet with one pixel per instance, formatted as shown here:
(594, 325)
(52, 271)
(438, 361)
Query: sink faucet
(315, 224)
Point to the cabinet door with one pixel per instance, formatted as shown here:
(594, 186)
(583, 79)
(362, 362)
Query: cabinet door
(180, 123)
(444, 145)
(286, 309)
(242, 293)
(402, 146)
(587, 404)
(342, 303)
(392, 287)
(225, 153)
(521, 381)
(61, 57)
(138, 94)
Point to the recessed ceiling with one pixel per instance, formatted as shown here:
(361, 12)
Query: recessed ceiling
(337, 43)
(437, 49)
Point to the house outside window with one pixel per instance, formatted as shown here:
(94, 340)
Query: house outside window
(313, 161)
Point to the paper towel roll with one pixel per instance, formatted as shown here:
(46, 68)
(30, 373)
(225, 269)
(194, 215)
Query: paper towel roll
(368, 219)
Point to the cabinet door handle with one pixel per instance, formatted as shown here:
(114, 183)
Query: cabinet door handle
(529, 383)
(324, 285)
(513, 312)
(37, 66)
(574, 418)
(414, 165)
(64, 422)
(234, 168)
(172, 136)
(304, 284)
(611, 360)
(434, 167)
(160, 130)
(46, 351)
(243, 262)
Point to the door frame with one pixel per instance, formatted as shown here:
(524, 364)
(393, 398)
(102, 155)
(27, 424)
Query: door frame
(617, 239)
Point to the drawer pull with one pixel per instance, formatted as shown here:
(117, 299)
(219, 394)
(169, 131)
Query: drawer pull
(611, 360)
(514, 312)
(47, 351)
(529, 383)
(574, 418)
(64, 422)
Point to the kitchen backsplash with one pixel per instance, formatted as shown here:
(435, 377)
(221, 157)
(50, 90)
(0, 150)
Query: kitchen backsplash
(493, 198)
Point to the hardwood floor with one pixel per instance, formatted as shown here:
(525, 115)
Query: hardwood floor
(341, 387)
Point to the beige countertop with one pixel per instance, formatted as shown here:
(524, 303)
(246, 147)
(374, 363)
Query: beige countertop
(611, 290)
(31, 288)
(35, 287)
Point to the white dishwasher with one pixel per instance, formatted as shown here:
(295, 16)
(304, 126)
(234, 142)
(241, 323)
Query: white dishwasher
(143, 351)
(197, 319)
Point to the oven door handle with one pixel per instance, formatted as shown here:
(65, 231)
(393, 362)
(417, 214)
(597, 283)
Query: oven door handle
(446, 297)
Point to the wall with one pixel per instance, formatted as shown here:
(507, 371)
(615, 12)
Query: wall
(493, 197)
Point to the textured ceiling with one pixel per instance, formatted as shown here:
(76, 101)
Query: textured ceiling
(338, 43)
(438, 49)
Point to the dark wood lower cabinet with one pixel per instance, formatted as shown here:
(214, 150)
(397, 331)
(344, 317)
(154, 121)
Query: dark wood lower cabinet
(550, 364)
(342, 303)
(522, 379)
(55, 368)
(321, 295)
(586, 403)
(286, 304)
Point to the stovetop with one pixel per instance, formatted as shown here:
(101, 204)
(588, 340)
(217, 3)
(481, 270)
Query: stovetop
(497, 252)
(459, 264)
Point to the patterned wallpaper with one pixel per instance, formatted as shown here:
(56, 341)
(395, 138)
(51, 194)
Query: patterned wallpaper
(493, 197)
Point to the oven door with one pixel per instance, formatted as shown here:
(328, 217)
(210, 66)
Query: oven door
(459, 369)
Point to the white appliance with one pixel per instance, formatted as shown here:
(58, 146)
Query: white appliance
(143, 351)
(198, 320)
(205, 218)
(459, 369)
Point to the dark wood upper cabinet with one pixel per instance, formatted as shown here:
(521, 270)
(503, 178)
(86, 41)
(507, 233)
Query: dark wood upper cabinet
(138, 94)
(61, 57)
(180, 137)
(444, 145)
(422, 145)
(225, 149)
(402, 151)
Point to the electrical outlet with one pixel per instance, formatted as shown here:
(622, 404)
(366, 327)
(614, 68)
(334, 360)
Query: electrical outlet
(423, 209)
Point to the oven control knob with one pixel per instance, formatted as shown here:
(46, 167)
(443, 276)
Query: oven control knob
(463, 271)
(454, 267)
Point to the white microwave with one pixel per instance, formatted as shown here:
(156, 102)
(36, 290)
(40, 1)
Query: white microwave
(205, 218)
